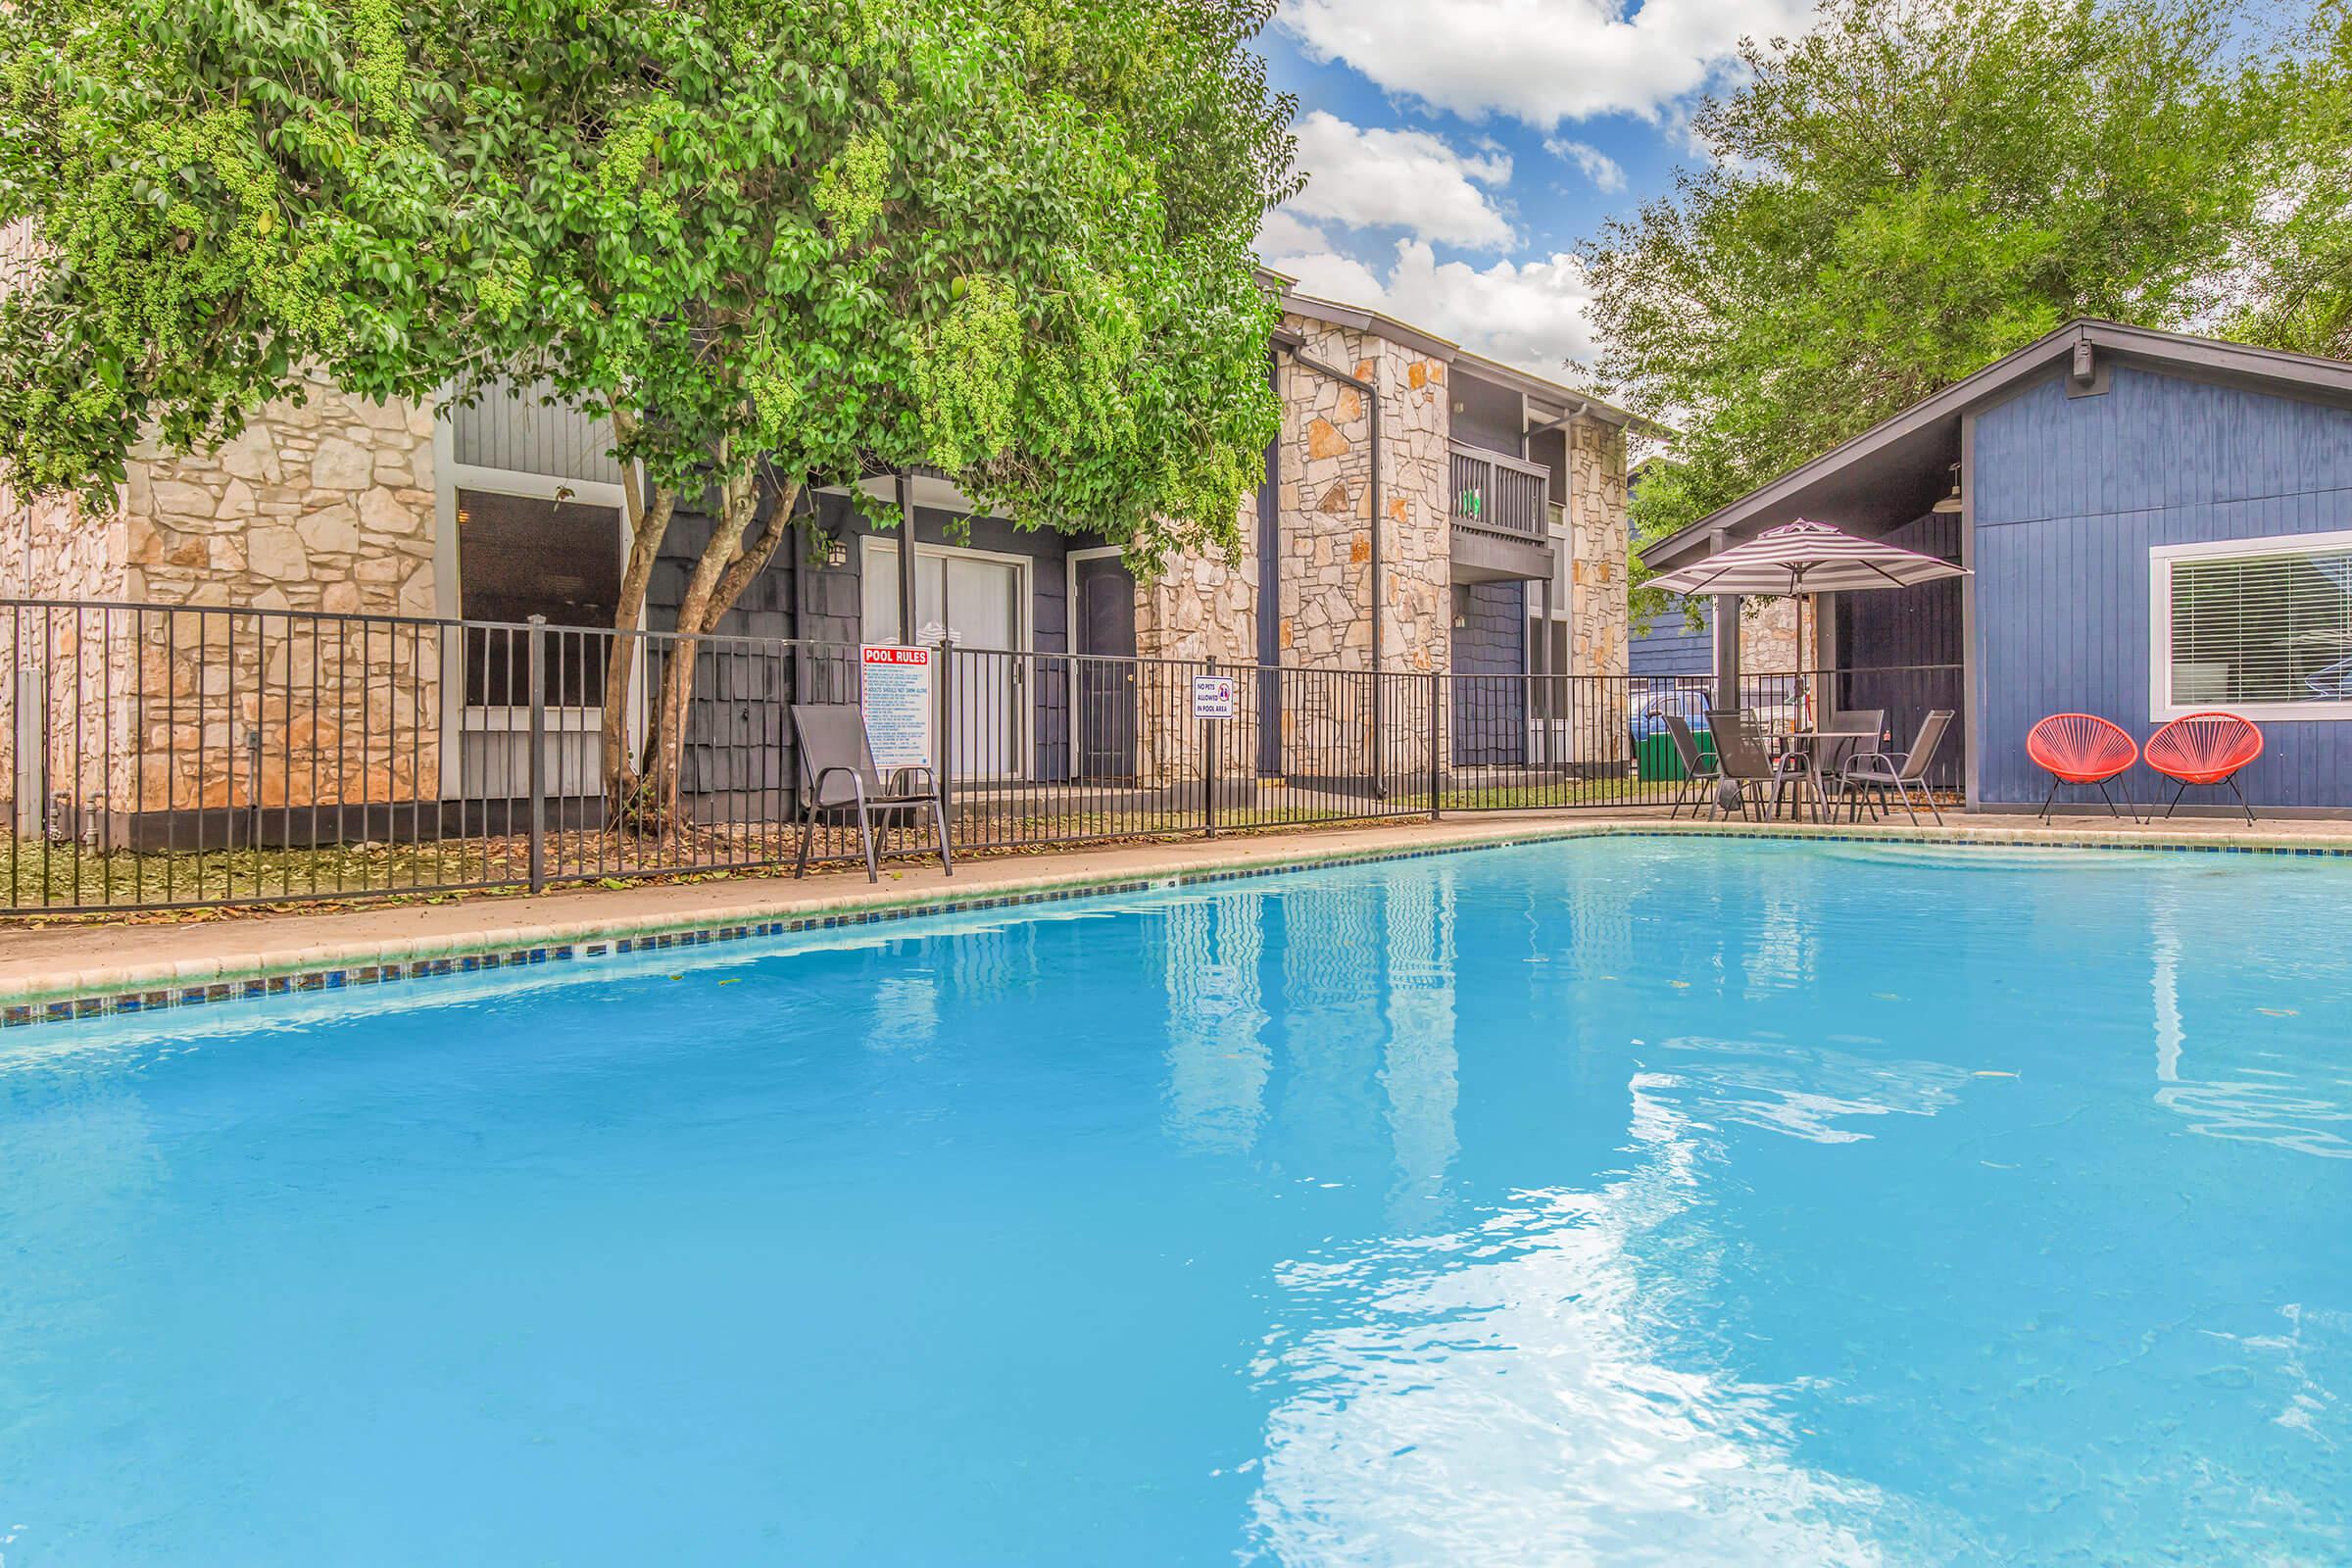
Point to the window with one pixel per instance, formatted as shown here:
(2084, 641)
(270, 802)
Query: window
(2258, 626)
(525, 555)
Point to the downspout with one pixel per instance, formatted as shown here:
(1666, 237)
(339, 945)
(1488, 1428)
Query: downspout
(1371, 395)
(904, 485)
(1269, 592)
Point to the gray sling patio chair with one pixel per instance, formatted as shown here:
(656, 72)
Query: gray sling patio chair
(1749, 766)
(1875, 773)
(1700, 772)
(1844, 736)
(838, 774)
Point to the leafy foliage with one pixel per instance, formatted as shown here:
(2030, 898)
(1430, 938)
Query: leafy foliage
(217, 197)
(2302, 294)
(1914, 189)
(785, 241)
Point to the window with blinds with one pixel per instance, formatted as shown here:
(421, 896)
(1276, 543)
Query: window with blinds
(2263, 628)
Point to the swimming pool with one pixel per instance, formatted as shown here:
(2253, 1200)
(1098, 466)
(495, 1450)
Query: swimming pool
(1632, 1200)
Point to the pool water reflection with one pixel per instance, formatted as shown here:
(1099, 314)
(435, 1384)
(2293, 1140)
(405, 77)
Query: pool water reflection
(1622, 1200)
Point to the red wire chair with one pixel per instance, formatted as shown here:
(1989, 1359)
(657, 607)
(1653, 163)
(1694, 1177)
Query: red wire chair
(2205, 749)
(2080, 748)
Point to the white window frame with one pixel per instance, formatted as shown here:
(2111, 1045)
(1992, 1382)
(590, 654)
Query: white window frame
(2161, 706)
(531, 487)
(458, 718)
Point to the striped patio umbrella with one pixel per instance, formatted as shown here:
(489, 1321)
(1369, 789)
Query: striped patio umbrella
(1805, 557)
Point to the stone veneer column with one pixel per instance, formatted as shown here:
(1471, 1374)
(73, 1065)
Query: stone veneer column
(1598, 544)
(58, 549)
(1205, 608)
(1768, 635)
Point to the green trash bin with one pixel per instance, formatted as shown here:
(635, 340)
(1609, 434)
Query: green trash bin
(1658, 762)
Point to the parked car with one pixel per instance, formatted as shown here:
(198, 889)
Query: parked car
(1648, 715)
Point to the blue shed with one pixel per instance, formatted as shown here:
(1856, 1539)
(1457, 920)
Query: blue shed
(2157, 524)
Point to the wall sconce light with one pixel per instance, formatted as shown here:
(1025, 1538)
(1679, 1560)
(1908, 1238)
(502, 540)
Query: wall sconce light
(837, 550)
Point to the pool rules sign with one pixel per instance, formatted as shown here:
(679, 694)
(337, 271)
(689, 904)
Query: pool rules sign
(899, 704)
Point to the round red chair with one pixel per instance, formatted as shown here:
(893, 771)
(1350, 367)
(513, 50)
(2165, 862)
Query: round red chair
(2205, 749)
(2080, 748)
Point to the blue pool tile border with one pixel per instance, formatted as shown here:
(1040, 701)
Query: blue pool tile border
(158, 997)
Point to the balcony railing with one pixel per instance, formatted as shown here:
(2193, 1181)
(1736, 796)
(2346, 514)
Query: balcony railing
(1500, 495)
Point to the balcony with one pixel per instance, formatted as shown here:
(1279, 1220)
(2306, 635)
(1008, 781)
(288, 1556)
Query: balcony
(1500, 495)
(1502, 506)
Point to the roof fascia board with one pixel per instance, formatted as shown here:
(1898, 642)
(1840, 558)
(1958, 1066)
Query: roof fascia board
(2043, 352)
(2274, 371)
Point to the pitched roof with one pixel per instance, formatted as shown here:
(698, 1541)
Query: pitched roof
(1551, 398)
(1893, 457)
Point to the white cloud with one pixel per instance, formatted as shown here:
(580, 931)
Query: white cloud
(1537, 61)
(1535, 313)
(1600, 168)
(1532, 313)
(1409, 179)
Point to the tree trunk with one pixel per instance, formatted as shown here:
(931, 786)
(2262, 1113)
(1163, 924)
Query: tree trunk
(698, 611)
(649, 520)
(746, 568)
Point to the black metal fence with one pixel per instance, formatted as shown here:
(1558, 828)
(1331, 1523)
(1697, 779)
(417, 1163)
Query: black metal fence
(159, 756)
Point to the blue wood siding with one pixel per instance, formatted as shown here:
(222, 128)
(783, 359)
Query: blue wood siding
(1669, 647)
(1490, 716)
(2072, 493)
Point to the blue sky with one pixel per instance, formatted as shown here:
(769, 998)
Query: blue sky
(1458, 149)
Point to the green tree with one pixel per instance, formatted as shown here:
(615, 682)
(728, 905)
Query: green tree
(784, 243)
(2301, 295)
(1912, 191)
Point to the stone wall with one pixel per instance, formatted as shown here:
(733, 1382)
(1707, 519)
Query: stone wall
(323, 506)
(1201, 607)
(1599, 547)
(64, 725)
(1204, 607)
(1768, 635)
(1325, 575)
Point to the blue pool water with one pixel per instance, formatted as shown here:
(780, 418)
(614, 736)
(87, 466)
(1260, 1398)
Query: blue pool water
(1615, 1201)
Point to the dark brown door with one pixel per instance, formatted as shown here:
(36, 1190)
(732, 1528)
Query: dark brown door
(1103, 622)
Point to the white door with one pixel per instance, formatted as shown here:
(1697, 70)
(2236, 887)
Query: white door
(992, 673)
(973, 601)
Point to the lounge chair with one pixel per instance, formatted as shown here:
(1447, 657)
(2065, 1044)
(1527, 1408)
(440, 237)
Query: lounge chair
(838, 773)
(1875, 773)
(1700, 773)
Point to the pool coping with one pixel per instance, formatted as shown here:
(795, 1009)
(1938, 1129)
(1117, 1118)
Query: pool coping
(72, 995)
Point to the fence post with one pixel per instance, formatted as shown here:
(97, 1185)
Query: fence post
(1437, 729)
(252, 772)
(538, 761)
(942, 751)
(1209, 764)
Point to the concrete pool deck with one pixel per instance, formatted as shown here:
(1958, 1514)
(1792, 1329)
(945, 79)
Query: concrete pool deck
(58, 971)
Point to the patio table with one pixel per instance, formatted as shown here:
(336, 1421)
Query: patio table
(1823, 749)
(1805, 742)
